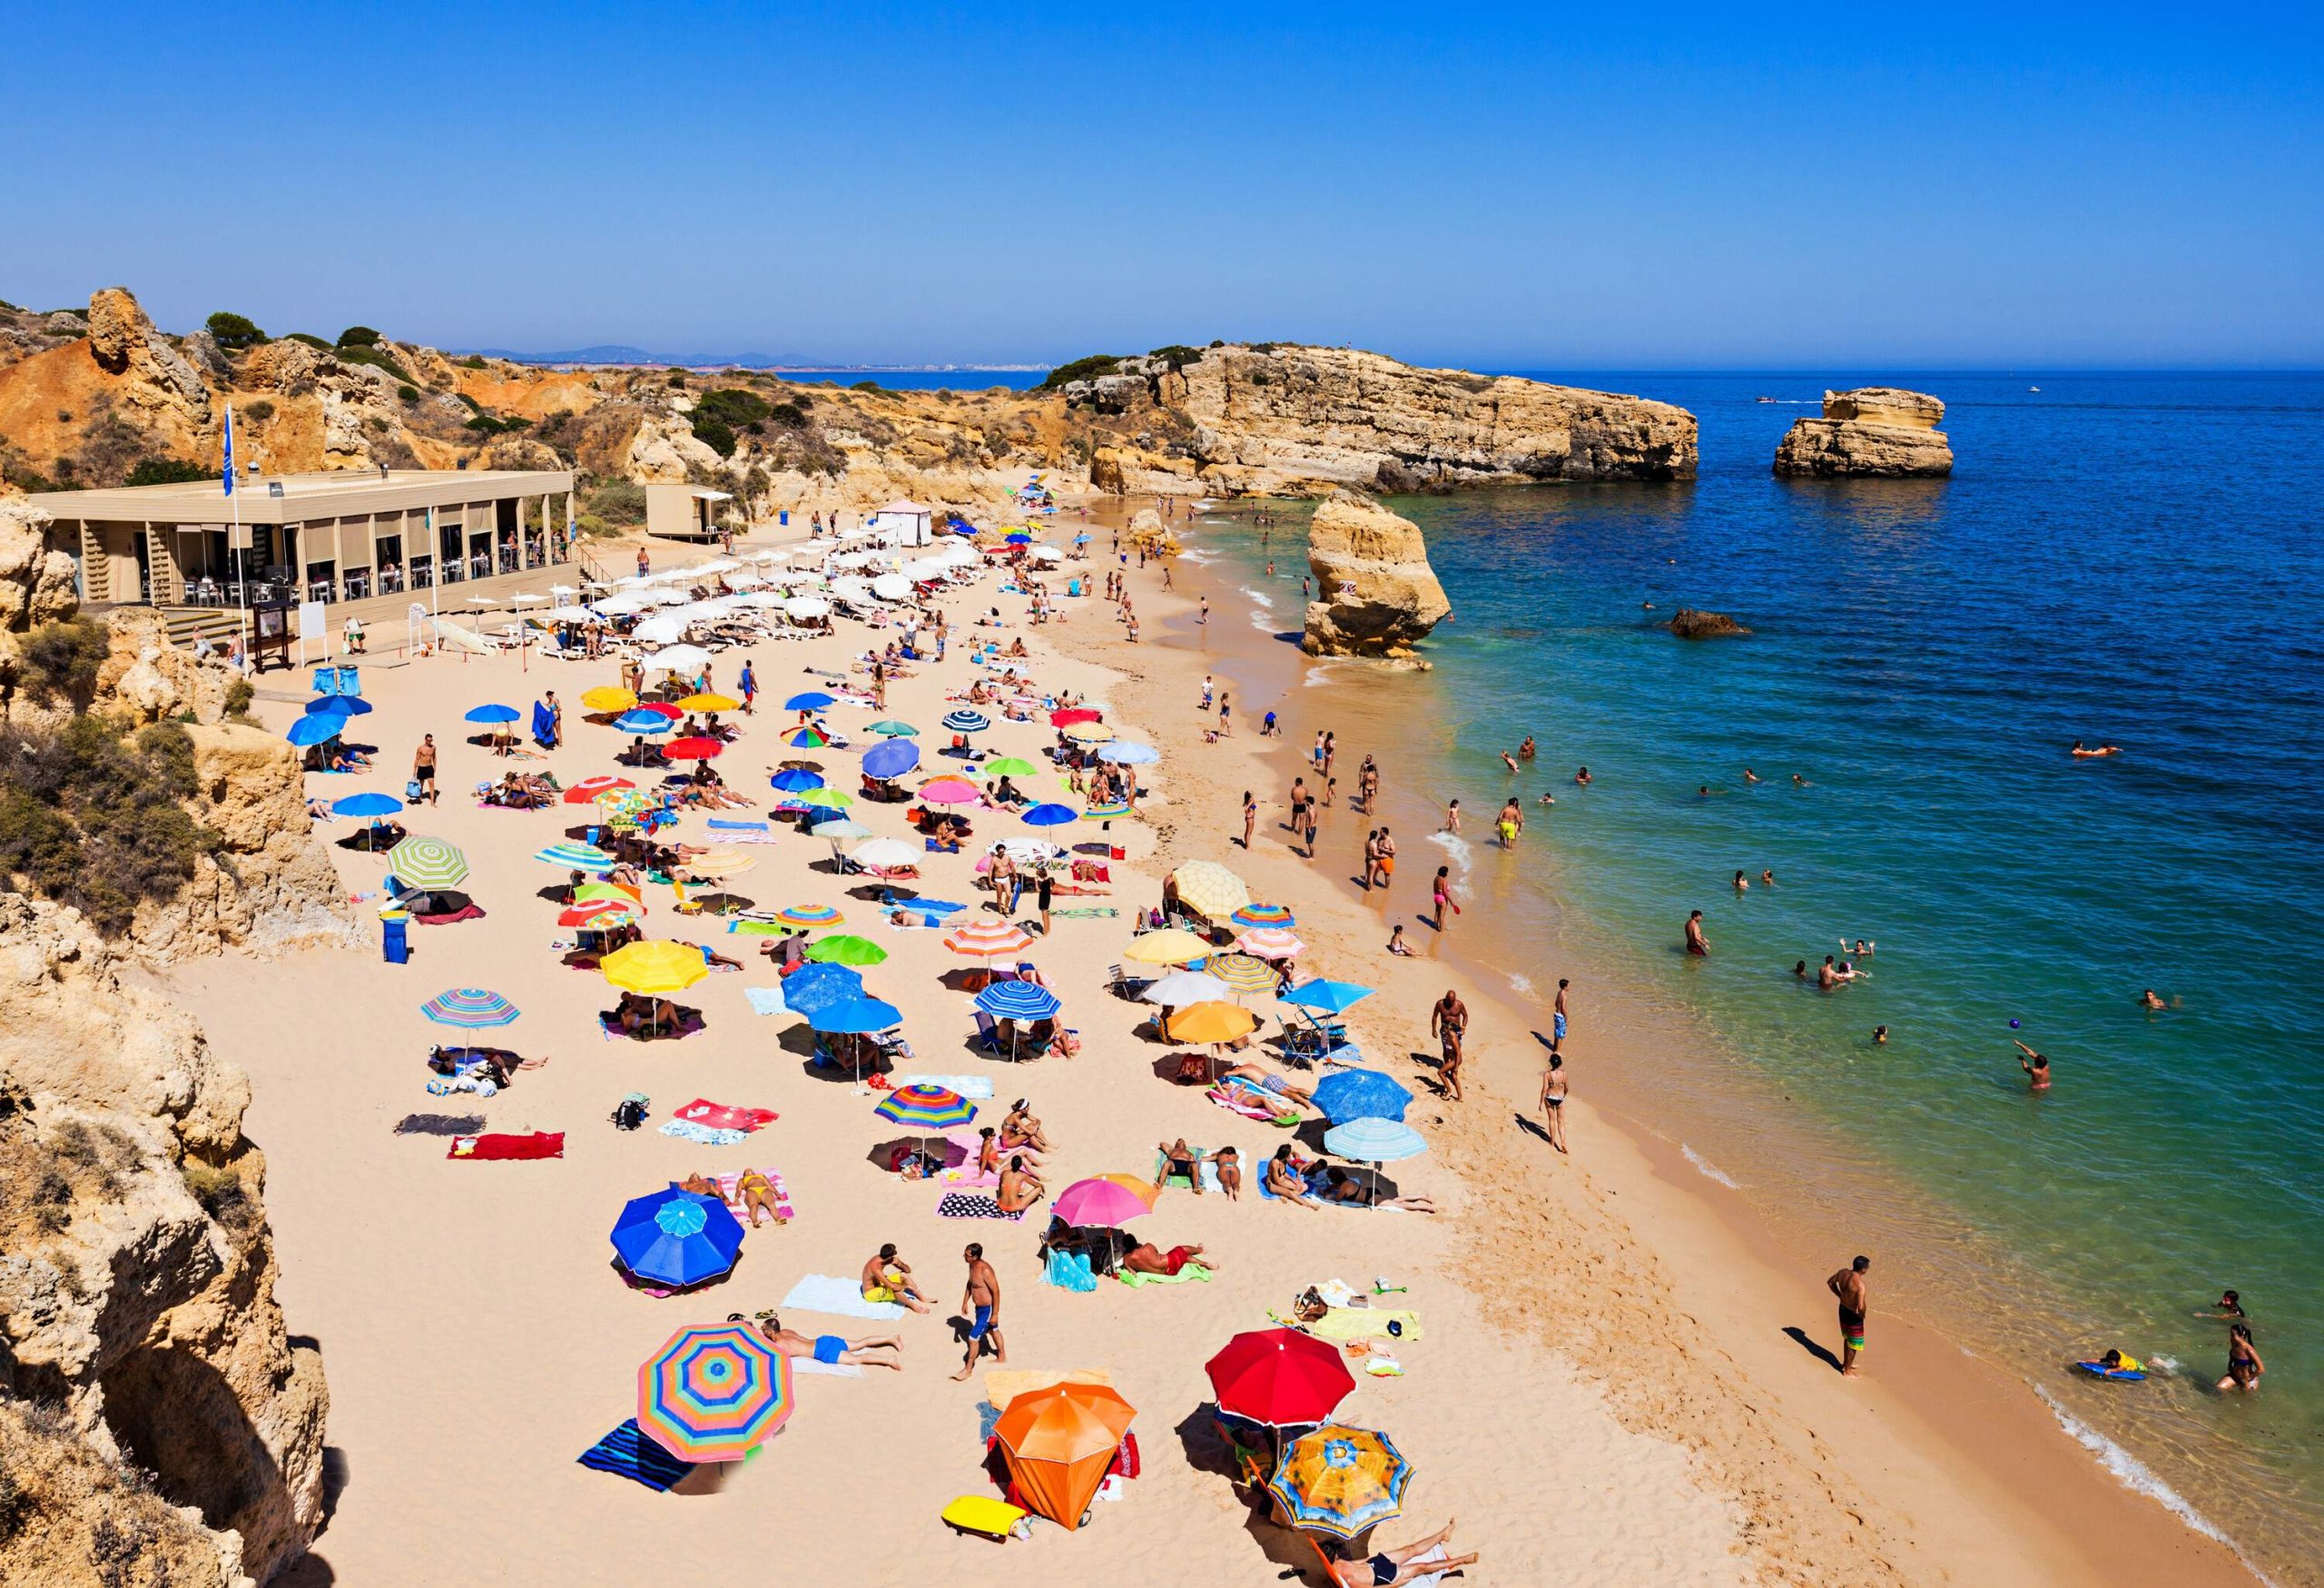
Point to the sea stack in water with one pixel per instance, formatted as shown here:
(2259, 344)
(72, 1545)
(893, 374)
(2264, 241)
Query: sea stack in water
(1876, 430)
(1692, 624)
(1377, 596)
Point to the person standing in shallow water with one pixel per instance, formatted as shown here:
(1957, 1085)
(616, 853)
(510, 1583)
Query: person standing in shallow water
(1696, 943)
(2036, 1068)
(1852, 1287)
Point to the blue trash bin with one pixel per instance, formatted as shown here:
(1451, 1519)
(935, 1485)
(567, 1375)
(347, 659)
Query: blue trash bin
(395, 937)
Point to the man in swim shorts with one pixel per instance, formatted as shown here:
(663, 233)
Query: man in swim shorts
(831, 1350)
(1557, 1018)
(981, 1301)
(1851, 1286)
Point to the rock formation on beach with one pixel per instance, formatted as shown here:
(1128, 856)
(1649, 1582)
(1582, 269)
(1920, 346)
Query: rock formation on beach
(1688, 622)
(1876, 431)
(1377, 594)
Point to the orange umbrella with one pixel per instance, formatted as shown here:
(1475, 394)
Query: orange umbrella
(1145, 1191)
(1059, 1442)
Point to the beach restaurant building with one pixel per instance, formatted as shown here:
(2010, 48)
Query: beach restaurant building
(332, 535)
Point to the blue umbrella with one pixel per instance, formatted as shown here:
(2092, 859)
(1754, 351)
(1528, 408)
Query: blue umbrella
(676, 1237)
(1081, 540)
(965, 720)
(1371, 1141)
(890, 758)
(855, 1017)
(495, 714)
(1014, 1000)
(1019, 538)
(814, 986)
(314, 730)
(1358, 1094)
(813, 700)
(795, 780)
(1327, 997)
(644, 722)
(1049, 816)
(344, 705)
(366, 805)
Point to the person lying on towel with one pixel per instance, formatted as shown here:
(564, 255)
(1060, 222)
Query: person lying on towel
(1147, 1258)
(829, 1349)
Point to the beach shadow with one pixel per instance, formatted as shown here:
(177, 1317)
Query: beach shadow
(1531, 1127)
(551, 895)
(1544, 1041)
(309, 1570)
(1198, 1438)
(1799, 1337)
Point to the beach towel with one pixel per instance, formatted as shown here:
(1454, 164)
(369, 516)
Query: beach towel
(766, 1000)
(730, 1192)
(1235, 1101)
(845, 1298)
(723, 1117)
(739, 826)
(1186, 1276)
(1085, 912)
(1357, 1323)
(543, 726)
(538, 1144)
(970, 1205)
(1208, 1170)
(828, 1369)
(967, 1086)
(627, 1453)
(703, 1135)
(469, 912)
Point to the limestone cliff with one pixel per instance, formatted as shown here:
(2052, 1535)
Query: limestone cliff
(1377, 594)
(1874, 430)
(139, 1333)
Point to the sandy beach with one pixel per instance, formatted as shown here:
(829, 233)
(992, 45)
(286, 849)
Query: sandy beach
(1603, 1385)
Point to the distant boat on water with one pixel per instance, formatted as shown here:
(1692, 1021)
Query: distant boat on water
(2032, 389)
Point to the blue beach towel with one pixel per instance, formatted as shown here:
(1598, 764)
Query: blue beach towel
(740, 826)
(627, 1453)
(543, 726)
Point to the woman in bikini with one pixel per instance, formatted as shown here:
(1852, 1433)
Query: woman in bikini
(2243, 1364)
(1021, 1131)
(1020, 1188)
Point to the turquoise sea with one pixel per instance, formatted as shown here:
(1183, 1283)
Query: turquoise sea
(2127, 558)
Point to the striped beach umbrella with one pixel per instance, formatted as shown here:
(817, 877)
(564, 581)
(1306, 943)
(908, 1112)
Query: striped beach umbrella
(713, 1392)
(589, 788)
(1209, 889)
(428, 863)
(986, 938)
(1090, 733)
(597, 912)
(469, 1008)
(810, 915)
(1243, 974)
(1264, 915)
(965, 720)
(1111, 811)
(1018, 1000)
(809, 738)
(577, 857)
(642, 721)
(1340, 1480)
(1271, 942)
(927, 1107)
(1371, 1141)
(846, 949)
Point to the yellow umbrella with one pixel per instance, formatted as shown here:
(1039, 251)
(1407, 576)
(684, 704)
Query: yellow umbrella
(1171, 946)
(1244, 973)
(717, 863)
(1205, 1022)
(709, 702)
(654, 966)
(605, 697)
(1209, 889)
(1088, 732)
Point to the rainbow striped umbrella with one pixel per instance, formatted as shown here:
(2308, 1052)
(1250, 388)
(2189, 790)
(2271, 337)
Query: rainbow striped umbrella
(472, 1008)
(808, 738)
(809, 915)
(1106, 813)
(428, 863)
(713, 1392)
(1264, 915)
(927, 1107)
(1243, 974)
(1271, 942)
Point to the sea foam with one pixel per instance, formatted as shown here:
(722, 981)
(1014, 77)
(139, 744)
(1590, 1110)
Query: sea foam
(1462, 853)
(2135, 1475)
(1710, 1172)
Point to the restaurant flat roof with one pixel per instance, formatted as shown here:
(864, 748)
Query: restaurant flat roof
(324, 494)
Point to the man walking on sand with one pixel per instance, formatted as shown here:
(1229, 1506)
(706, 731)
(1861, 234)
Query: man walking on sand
(423, 768)
(1447, 1021)
(981, 1301)
(1855, 1300)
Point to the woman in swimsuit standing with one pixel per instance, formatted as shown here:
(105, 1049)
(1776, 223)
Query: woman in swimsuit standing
(2243, 1364)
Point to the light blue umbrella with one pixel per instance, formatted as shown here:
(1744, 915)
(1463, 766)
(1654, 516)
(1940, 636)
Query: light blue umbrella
(818, 985)
(577, 857)
(310, 731)
(1015, 999)
(366, 805)
(491, 715)
(890, 758)
(1049, 816)
(1122, 753)
(644, 722)
(1346, 1095)
(1370, 1141)
(855, 1017)
(1325, 997)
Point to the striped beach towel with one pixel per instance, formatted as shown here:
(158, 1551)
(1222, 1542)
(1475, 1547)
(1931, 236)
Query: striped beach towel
(627, 1453)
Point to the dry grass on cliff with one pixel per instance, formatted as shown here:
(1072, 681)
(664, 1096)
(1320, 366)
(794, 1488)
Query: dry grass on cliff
(45, 1174)
(90, 815)
(70, 1519)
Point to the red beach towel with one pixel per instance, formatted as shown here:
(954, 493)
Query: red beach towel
(538, 1144)
(719, 1117)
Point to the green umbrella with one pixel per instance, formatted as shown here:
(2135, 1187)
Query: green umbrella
(846, 949)
(893, 730)
(829, 799)
(428, 863)
(1011, 766)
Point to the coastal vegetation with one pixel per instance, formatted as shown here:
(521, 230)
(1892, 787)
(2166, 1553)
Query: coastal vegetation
(90, 813)
(234, 333)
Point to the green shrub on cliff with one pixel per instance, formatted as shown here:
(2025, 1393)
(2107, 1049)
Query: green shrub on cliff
(234, 331)
(166, 471)
(377, 359)
(89, 815)
(60, 659)
(1088, 369)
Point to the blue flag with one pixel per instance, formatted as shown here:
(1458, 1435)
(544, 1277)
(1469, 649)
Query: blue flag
(226, 470)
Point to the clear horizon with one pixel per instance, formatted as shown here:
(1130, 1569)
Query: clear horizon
(1986, 189)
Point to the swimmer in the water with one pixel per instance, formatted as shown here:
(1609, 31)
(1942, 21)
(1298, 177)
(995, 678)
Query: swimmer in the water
(1703, 793)
(1800, 782)
(1508, 761)
(1525, 750)
(1880, 1036)
(2036, 1068)
(1767, 877)
(1749, 776)
(1582, 777)
(1862, 947)
(1742, 883)
(1799, 970)
(2151, 998)
(2091, 754)
(1548, 798)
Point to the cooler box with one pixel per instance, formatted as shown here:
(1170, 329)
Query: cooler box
(395, 930)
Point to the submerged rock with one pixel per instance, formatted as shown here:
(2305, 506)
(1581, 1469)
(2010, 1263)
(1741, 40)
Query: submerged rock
(1379, 595)
(1876, 431)
(1688, 622)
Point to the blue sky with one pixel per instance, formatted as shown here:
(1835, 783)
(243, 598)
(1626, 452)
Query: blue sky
(1526, 186)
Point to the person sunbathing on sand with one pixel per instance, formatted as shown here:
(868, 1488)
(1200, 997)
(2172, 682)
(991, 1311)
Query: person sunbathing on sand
(1229, 1165)
(1269, 1080)
(1284, 1178)
(1022, 1128)
(1390, 1568)
(831, 1350)
(1179, 1159)
(1019, 1186)
(1147, 1258)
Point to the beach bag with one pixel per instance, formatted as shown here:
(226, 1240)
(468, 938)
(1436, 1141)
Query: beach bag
(411, 791)
(629, 1113)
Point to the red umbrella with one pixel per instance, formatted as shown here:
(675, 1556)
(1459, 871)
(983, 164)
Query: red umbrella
(589, 788)
(1079, 714)
(1279, 1377)
(659, 708)
(701, 748)
(597, 912)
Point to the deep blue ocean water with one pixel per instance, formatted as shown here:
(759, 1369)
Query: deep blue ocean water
(2127, 558)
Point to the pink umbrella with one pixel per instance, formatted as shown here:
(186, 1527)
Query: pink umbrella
(1270, 942)
(1099, 1204)
(951, 791)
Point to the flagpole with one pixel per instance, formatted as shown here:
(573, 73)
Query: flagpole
(241, 566)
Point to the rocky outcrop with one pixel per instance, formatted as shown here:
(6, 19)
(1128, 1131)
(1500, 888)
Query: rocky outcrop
(1874, 431)
(1378, 595)
(663, 450)
(1303, 419)
(138, 1324)
(1689, 623)
(1131, 471)
(159, 384)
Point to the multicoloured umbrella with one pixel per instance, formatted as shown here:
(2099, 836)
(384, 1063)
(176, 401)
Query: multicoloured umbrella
(589, 788)
(713, 1392)
(808, 738)
(1340, 1480)
(676, 1237)
(1111, 811)
(469, 1008)
(577, 857)
(846, 949)
(810, 915)
(1271, 942)
(1280, 1377)
(654, 966)
(1243, 974)
(598, 912)
(427, 865)
(927, 1107)
(987, 938)
(1018, 1000)
(1264, 915)
(1101, 1204)
(590, 893)
(965, 720)
(1346, 1095)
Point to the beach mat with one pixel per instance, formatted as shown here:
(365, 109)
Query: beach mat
(970, 1205)
(506, 1148)
(627, 1453)
(1358, 1323)
(842, 1297)
(720, 1117)
(1186, 1276)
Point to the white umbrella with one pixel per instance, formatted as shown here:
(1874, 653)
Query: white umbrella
(1046, 554)
(891, 588)
(885, 852)
(1029, 849)
(747, 581)
(667, 597)
(667, 628)
(770, 557)
(848, 587)
(716, 565)
(806, 608)
(762, 600)
(1181, 988)
(679, 659)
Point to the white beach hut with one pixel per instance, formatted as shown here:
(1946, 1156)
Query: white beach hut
(903, 522)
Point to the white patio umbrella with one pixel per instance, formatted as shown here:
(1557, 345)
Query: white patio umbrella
(678, 658)
(1181, 988)
(884, 852)
(891, 588)
(806, 608)
(664, 628)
